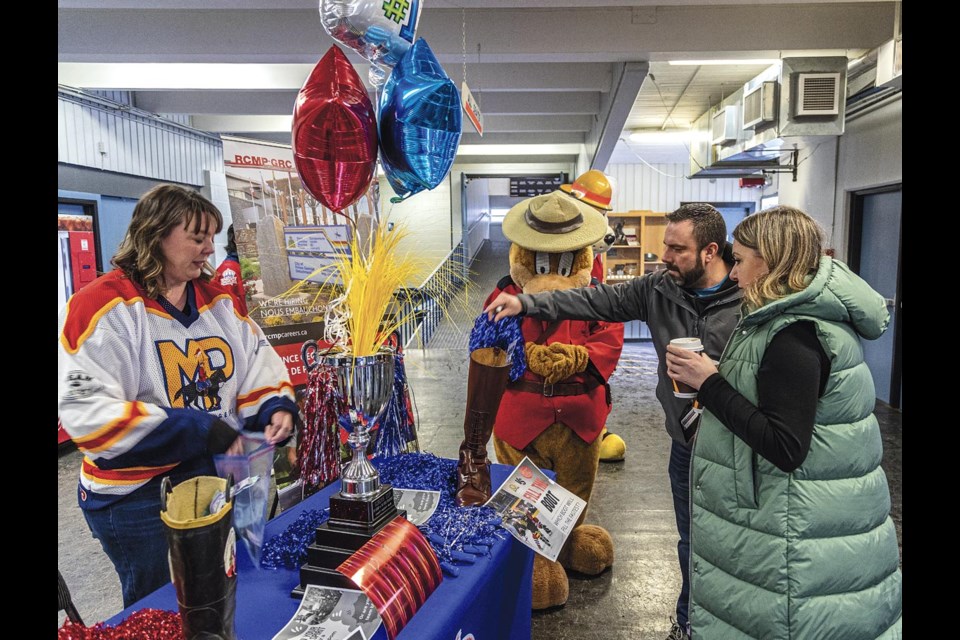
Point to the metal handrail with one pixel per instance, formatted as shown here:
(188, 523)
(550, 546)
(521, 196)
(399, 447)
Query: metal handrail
(485, 214)
(423, 306)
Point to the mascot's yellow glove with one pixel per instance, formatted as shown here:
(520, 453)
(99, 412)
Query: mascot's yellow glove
(556, 362)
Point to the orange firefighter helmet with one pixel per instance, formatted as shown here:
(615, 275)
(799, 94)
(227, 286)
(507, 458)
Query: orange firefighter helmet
(593, 188)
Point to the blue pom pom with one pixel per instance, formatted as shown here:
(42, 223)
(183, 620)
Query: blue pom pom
(462, 556)
(456, 534)
(505, 334)
(396, 429)
(452, 530)
(289, 549)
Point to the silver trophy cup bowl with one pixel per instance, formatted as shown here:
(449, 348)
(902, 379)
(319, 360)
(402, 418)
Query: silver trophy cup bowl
(366, 383)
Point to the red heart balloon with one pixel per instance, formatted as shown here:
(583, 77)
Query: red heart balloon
(334, 133)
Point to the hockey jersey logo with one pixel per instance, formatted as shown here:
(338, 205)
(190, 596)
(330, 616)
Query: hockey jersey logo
(195, 374)
(80, 384)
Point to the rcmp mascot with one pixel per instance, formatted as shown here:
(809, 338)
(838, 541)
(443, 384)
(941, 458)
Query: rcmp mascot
(555, 412)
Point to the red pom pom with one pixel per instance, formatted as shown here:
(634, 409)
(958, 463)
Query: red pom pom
(146, 624)
(318, 446)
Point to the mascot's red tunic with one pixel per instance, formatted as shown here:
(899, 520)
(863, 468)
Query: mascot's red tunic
(524, 414)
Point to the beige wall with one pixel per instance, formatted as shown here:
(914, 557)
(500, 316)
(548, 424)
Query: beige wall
(868, 154)
(871, 155)
(494, 168)
(815, 188)
(427, 217)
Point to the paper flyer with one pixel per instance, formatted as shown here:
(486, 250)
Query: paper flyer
(397, 570)
(326, 613)
(419, 504)
(536, 510)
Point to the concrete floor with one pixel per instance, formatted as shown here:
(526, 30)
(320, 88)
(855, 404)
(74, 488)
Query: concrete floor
(631, 499)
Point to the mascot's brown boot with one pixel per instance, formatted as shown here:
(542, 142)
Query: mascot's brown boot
(588, 550)
(486, 381)
(550, 585)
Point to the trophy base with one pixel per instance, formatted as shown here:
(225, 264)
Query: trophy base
(367, 513)
(352, 523)
(322, 577)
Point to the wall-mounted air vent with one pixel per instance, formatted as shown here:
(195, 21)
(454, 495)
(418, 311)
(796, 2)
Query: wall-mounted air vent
(760, 105)
(818, 94)
(723, 126)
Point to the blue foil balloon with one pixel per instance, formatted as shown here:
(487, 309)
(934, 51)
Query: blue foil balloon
(420, 122)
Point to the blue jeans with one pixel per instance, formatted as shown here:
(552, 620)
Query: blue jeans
(133, 537)
(679, 470)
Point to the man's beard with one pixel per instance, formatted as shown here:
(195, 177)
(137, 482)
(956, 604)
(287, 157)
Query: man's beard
(690, 278)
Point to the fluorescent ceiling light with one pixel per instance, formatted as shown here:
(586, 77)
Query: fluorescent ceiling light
(570, 148)
(700, 63)
(669, 137)
(156, 76)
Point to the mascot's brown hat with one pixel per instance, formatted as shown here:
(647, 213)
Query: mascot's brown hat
(553, 222)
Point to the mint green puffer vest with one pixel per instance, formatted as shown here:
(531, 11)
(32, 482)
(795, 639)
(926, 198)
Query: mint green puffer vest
(812, 554)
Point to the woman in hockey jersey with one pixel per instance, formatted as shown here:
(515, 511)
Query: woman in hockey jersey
(129, 379)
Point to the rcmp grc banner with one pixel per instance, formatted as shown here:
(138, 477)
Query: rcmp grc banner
(283, 235)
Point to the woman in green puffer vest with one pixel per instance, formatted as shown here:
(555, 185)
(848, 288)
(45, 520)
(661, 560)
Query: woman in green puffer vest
(791, 531)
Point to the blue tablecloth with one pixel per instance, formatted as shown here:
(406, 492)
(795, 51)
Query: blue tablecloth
(490, 599)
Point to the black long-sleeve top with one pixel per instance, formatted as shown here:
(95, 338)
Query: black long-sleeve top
(792, 377)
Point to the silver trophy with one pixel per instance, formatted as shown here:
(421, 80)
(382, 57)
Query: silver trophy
(366, 383)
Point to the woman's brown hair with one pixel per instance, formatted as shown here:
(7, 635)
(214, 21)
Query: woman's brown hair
(157, 213)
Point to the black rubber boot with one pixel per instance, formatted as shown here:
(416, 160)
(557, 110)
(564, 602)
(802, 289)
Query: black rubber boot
(203, 551)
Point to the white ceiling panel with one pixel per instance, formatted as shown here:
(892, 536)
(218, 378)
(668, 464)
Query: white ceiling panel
(545, 72)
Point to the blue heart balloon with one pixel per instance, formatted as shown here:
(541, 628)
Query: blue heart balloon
(420, 122)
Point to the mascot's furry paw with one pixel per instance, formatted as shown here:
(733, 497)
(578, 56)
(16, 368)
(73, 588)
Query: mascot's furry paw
(612, 447)
(556, 362)
(589, 550)
(550, 585)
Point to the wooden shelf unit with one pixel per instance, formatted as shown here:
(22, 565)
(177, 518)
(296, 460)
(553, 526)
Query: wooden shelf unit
(625, 261)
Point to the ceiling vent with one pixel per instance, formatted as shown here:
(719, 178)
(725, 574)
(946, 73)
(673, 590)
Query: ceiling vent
(818, 94)
(724, 125)
(787, 107)
(760, 105)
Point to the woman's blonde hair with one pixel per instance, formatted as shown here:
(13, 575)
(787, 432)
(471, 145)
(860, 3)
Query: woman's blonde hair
(156, 214)
(790, 243)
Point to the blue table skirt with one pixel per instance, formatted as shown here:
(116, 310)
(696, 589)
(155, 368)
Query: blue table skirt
(490, 599)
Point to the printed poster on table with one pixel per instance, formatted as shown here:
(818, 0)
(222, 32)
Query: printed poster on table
(398, 571)
(326, 613)
(418, 503)
(536, 510)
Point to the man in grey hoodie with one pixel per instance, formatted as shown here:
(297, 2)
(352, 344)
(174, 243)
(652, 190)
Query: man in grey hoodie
(693, 296)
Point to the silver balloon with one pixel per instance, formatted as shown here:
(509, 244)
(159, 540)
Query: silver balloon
(380, 31)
